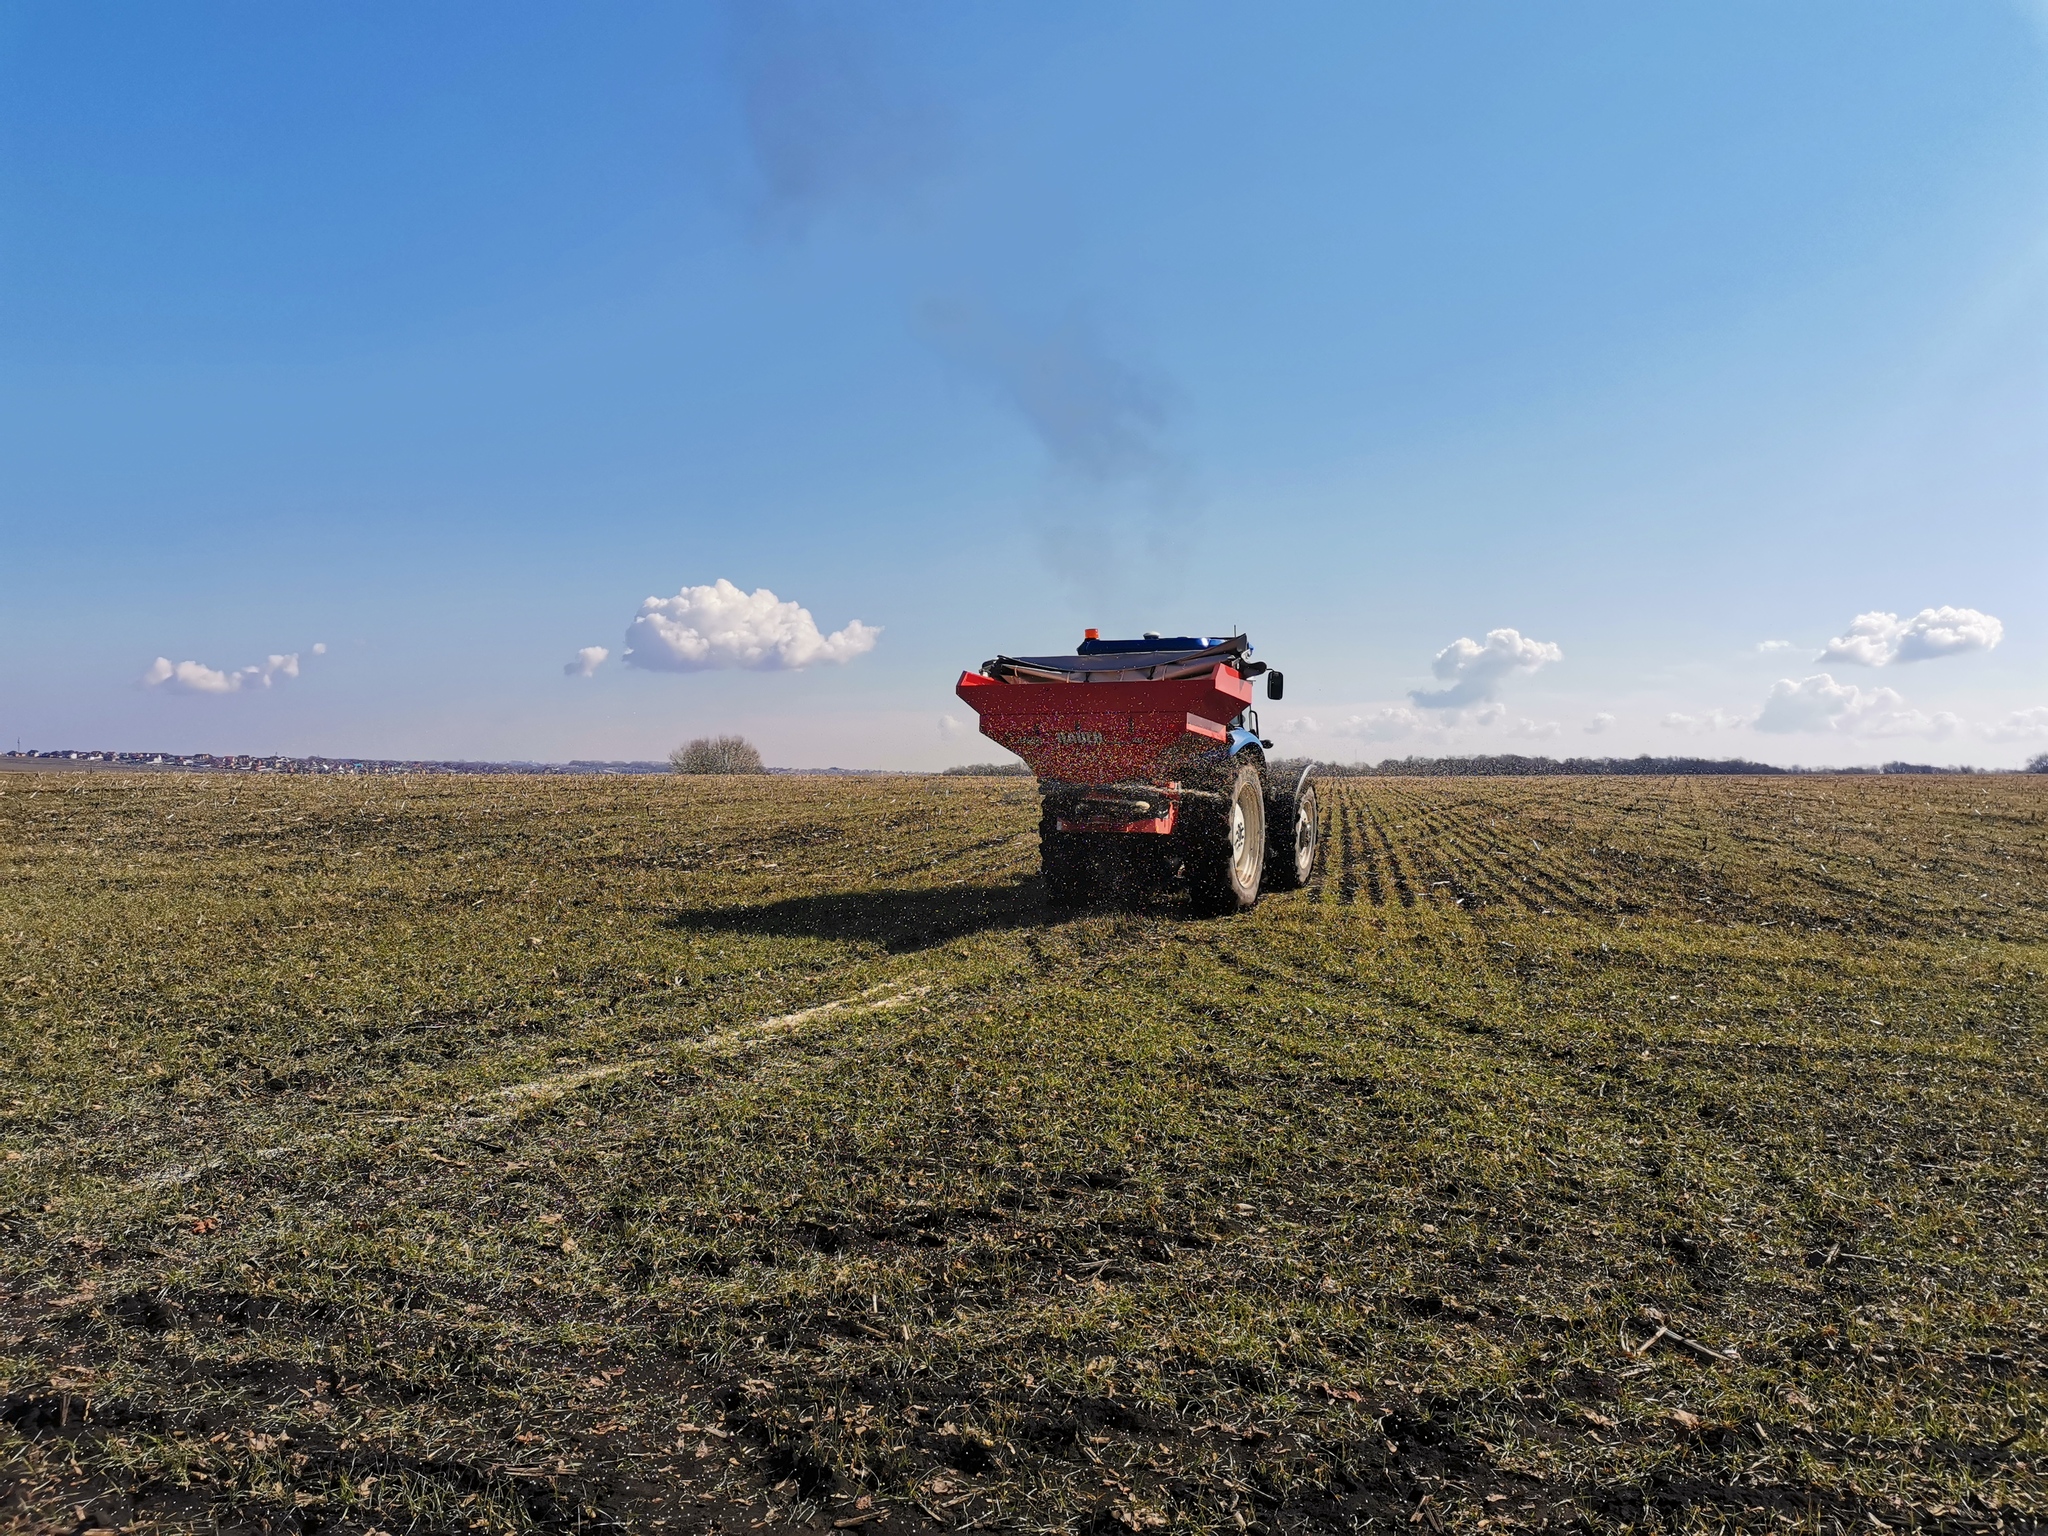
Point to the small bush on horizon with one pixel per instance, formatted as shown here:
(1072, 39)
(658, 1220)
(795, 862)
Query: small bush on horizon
(717, 754)
(2038, 763)
(988, 771)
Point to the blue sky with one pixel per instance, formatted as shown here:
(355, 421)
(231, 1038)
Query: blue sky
(1670, 339)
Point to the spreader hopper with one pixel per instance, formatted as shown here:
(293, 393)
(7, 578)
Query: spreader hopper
(1150, 766)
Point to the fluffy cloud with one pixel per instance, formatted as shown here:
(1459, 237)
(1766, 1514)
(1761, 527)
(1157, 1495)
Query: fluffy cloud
(1390, 724)
(2020, 725)
(1397, 722)
(1938, 726)
(1473, 672)
(197, 677)
(1819, 703)
(952, 728)
(1597, 724)
(1879, 639)
(702, 629)
(587, 661)
(1700, 725)
(1772, 647)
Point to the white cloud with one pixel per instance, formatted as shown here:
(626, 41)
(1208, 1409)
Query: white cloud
(1389, 724)
(1938, 726)
(1700, 725)
(1398, 722)
(587, 661)
(1771, 647)
(2020, 725)
(701, 629)
(953, 729)
(1819, 703)
(197, 677)
(189, 677)
(1597, 724)
(1474, 672)
(319, 647)
(1879, 639)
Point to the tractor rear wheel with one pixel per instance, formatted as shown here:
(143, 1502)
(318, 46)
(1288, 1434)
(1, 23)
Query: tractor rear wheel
(1064, 864)
(1227, 847)
(1291, 857)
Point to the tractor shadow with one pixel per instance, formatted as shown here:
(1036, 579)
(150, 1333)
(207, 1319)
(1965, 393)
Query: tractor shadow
(900, 921)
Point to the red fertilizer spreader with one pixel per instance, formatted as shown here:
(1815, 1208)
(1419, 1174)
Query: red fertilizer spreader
(1151, 768)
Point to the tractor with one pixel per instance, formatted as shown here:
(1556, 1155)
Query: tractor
(1151, 769)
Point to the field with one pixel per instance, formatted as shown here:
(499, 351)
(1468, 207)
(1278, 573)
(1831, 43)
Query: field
(508, 1155)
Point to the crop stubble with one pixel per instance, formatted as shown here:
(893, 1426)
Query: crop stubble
(542, 1154)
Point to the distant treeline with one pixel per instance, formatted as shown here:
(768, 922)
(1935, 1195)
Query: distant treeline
(210, 762)
(1513, 765)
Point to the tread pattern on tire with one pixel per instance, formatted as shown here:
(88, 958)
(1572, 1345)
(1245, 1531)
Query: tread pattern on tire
(1283, 872)
(1208, 862)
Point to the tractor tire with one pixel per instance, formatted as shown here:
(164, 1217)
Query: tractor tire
(1064, 865)
(1294, 837)
(1226, 854)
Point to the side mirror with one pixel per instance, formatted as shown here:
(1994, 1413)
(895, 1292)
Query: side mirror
(1276, 684)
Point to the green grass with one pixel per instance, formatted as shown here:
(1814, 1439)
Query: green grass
(521, 1155)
